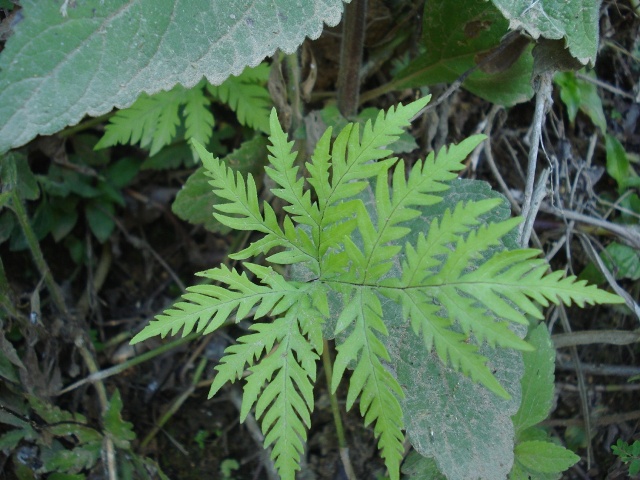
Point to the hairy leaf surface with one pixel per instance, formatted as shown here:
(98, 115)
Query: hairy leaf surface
(57, 68)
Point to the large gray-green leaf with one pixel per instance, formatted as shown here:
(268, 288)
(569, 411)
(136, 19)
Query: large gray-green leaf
(462, 425)
(457, 36)
(575, 21)
(55, 70)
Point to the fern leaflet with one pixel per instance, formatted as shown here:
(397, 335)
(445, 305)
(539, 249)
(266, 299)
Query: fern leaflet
(153, 120)
(247, 95)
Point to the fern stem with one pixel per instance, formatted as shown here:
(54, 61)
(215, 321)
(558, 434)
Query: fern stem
(92, 365)
(335, 409)
(292, 69)
(92, 122)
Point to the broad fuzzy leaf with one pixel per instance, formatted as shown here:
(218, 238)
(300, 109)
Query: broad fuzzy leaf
(576, 23)
(56, 69)
(363, 267)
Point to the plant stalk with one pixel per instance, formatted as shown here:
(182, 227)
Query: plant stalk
(353, 28)
(292, 71)
(102, 374)
(38, 257)
(335, 409)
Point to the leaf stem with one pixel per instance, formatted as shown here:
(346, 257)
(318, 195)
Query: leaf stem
(335, 409)
(531, 202)
(353, 28)
(89, 123)
(38, 257)
(116, 369)
(292, 69)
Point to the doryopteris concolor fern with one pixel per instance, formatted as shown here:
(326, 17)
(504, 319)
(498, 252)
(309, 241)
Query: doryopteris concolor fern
(446, 289)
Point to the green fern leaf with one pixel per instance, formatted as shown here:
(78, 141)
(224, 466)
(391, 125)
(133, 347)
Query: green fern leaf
(377, 389)
(516, 277)
(209, 306)
(151, 121)
(353, 239)
(243, 204)
(421, 261)
(284, 173)
(287, 375)
(353, 158)
(247, 95)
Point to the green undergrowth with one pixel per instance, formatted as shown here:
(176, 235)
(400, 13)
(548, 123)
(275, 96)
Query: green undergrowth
(47, 440)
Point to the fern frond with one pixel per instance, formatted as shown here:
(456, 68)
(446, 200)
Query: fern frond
(354, 160)
(351, 246)
(247, 96)
(425, 179)
(250, 347)
(377, 389)
(513, 275)
(476, 319)
(319, 167)
(470, 248)
(151, 121)
(236, 357)
(501, 289)
(209, 306)
(427, 256)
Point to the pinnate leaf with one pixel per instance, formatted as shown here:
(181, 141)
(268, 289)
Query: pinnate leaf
(365, 272)
(247, 95)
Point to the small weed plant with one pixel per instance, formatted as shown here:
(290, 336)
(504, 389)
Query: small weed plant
(629, 454)
(353, 239)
